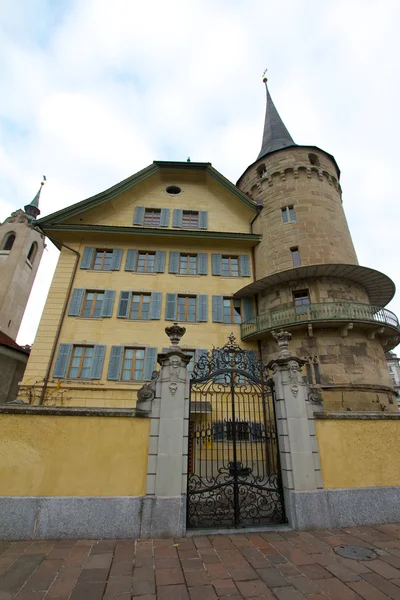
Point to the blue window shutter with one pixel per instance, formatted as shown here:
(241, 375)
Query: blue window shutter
(63, 355)
(170, 307)
(217, 303)
(76, 302)
(164, 220)
(150, 363)
(116, 259)
(139, 215)
(248, 308)
(98, 360)
(131, 258)
(202, 307)
(155, 310)
(114, 366)
(173, 262)
(203, 219)
(216, 260)
(203, 263)
(177, 217)
(123, 305)
(244, 265)
(87, 258)
(108, 303)
(159, 263)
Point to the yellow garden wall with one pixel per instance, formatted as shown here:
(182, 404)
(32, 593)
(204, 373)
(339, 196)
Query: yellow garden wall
(359, 453)
(49, 455)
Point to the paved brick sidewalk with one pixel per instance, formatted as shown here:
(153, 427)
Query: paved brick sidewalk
(284, 566)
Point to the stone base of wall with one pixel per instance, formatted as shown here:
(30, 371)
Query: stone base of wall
(325, 509)
(75, 517)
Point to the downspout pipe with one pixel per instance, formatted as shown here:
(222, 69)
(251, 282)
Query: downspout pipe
(64, 310)
(253, 261)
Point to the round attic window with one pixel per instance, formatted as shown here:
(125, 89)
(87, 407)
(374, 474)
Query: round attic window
(173, 189)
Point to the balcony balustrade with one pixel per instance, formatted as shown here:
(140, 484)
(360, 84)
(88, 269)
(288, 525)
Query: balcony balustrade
(314, 313)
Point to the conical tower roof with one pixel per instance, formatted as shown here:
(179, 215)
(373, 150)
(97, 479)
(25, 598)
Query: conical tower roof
(275, 136)
(32, 209)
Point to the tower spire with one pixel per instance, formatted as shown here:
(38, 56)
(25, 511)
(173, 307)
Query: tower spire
(275, 136)
(32, 209)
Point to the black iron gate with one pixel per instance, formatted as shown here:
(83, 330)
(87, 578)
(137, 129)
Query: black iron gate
(233, 464)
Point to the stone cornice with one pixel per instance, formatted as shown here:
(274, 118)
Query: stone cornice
(73, 411)
(357, 416)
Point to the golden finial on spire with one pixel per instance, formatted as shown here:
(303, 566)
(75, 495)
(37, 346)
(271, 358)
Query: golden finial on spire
(264, 76)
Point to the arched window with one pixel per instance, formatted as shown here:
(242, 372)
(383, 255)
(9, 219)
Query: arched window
(32, 252)
(261, 170)
(314, 160)
(9, 241)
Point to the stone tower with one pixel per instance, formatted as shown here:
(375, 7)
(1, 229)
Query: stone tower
(307, 277)
(21, 248)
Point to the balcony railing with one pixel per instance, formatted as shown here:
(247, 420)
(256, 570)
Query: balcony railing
(326, 311)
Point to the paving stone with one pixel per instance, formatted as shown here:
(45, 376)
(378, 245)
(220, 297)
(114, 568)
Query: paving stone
(169, 562)
(172, 592)
(143, 588)
(119, 584)
(288, 593)
(197, 578)
(18, 573)
(98, 561)
(103, 547)
(121, 568)
(88, 591)
(337, 590)
(304, 585)
(367, 591)
(242, 573)
(193, 564)
(272, 577)
(25, 595)
(217, 571)
(383, 569)
(169, 577)
(387, 587)
(202, 592)
(224, 587)
(315, 572)
(201, 542)
(249, 589)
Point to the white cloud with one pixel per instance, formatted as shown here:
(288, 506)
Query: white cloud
(93, 91)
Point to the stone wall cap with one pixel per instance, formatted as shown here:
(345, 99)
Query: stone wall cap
(70, 411)
(357, 415)
(379, 287)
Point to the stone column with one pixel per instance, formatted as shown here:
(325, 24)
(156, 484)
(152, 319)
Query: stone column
(164, 506)
(298, 446)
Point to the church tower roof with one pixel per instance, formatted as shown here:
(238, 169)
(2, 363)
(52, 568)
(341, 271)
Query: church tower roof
(32, 209)
(275, 136)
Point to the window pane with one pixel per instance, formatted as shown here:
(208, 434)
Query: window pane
(284, 215)
(291, 213)
(295, 257)
(73, 372)
(139, 353)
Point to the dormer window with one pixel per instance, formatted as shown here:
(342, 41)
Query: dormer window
(9, 241)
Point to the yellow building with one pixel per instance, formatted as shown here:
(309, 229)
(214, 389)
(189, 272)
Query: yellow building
(171, 243)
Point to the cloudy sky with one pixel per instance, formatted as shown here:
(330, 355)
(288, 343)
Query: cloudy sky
(93, 91)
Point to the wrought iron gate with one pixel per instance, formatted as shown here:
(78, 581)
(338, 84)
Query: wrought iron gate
(233, 463)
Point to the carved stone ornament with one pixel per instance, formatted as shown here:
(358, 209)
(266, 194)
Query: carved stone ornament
(18, 216)
(173, 388)
(294, 376)
(282, 339)
(147, 393)
(314, 396)
(175, 332)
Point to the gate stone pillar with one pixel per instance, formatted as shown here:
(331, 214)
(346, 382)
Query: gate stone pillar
(297, 442)
(164, 506)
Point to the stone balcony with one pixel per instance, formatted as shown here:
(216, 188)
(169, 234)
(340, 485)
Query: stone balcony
(375, 319)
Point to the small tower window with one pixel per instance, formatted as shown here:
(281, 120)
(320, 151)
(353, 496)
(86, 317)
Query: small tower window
(314, 160)
(295, 257)
(9, 241)
(288, 215)
(32, 252)
(262, 171)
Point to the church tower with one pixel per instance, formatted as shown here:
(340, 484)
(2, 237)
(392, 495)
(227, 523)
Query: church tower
(21, 248)
(307, 277)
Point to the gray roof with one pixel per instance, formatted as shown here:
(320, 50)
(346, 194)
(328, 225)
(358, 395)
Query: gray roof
(275, 136)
